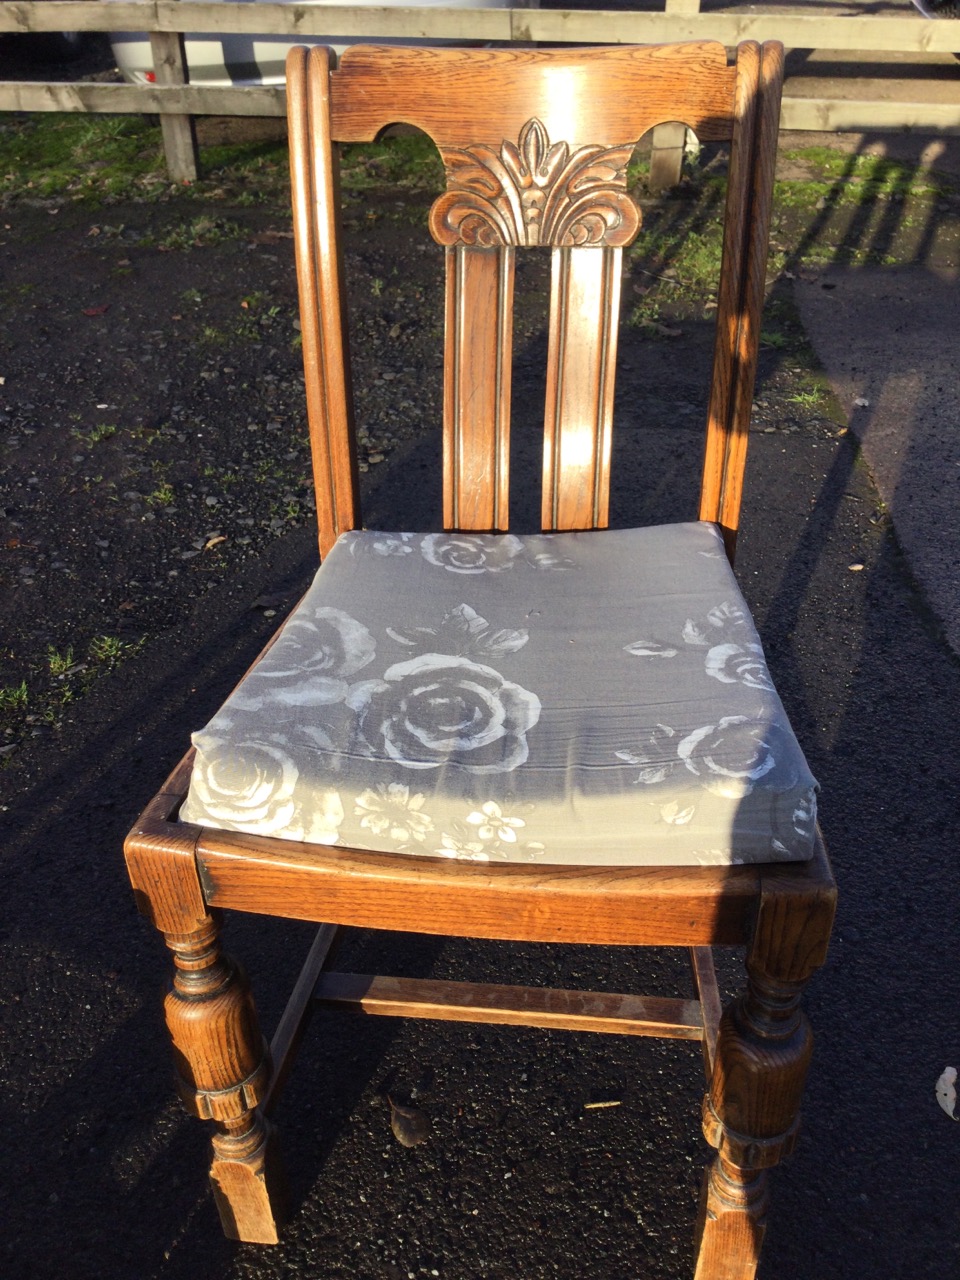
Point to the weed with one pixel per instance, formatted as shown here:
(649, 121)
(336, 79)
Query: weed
(376, 287)
(193, 296)
(811, 398)
(109, 650)
(199, 233)
(162, 496)
(14, 697)
(59, 663)
(102, 431)
(772, 338)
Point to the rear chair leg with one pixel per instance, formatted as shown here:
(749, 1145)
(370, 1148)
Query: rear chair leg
(223, 1067)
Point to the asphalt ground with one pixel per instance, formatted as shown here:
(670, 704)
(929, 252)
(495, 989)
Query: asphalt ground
(103, 1177)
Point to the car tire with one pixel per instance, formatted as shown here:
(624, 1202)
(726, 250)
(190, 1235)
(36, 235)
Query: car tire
(62, 46)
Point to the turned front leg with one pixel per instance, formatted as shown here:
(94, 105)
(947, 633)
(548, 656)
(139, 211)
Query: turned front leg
(751, 1114)
(223, 1068)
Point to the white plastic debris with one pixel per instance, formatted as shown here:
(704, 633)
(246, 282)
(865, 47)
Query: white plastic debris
(947, 1093)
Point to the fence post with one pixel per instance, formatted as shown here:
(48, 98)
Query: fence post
(179, 132)
(666, 156)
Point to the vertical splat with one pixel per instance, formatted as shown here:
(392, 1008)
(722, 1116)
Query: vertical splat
(581, 365)
(476, 392)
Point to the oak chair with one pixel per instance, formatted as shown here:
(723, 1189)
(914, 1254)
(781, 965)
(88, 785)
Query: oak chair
(617, 770)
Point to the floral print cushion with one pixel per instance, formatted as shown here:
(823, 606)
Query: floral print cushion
(590, 698)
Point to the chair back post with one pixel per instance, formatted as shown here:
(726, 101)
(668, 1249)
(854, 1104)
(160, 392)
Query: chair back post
(742, 283)
(314, 177)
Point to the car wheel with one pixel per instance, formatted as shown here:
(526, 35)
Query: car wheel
(62, 46)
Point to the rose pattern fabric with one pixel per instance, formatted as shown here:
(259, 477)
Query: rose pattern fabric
(736, 659)
(310, 661)
(393, 715)
(739, 664)
(436, 710)
(254, 788)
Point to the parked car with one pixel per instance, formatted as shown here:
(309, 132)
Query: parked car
(247, 59)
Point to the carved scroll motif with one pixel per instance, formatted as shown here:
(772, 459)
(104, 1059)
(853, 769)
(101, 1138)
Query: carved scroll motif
(535, 194)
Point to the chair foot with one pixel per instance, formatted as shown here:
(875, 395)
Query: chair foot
(249, 1184)
(731, 1223)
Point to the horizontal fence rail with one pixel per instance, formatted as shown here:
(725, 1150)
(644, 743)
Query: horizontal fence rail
(877, 33)
(176, 101)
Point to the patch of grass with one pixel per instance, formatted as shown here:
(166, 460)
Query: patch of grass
(162, 496)
(200, 232)
(773, 338)
(80, 157)
(807, 398)
(258, 314)
(14, 697)
(59, 663)
(109, 650)
(101, 158)
(56, 682)
(675, 260)
(867, 174)
(410, 162)
(102, 431)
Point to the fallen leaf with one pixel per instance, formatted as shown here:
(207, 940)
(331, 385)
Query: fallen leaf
(664, 330)
(270, 237)
(214, 542)
(410, 1125)
(96, 311)
(947, 1093)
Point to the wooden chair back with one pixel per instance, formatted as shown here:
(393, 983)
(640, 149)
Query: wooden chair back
(535, 144)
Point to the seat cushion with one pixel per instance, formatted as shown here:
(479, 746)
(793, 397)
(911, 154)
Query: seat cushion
(590, 698)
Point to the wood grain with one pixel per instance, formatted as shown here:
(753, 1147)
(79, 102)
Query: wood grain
(476, 389)
(535, 145)
(581, 368)
(552, 1008)
(323, 319)
(459, 96)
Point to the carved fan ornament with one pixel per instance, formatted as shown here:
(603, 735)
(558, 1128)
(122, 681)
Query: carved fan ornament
(533, 193)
